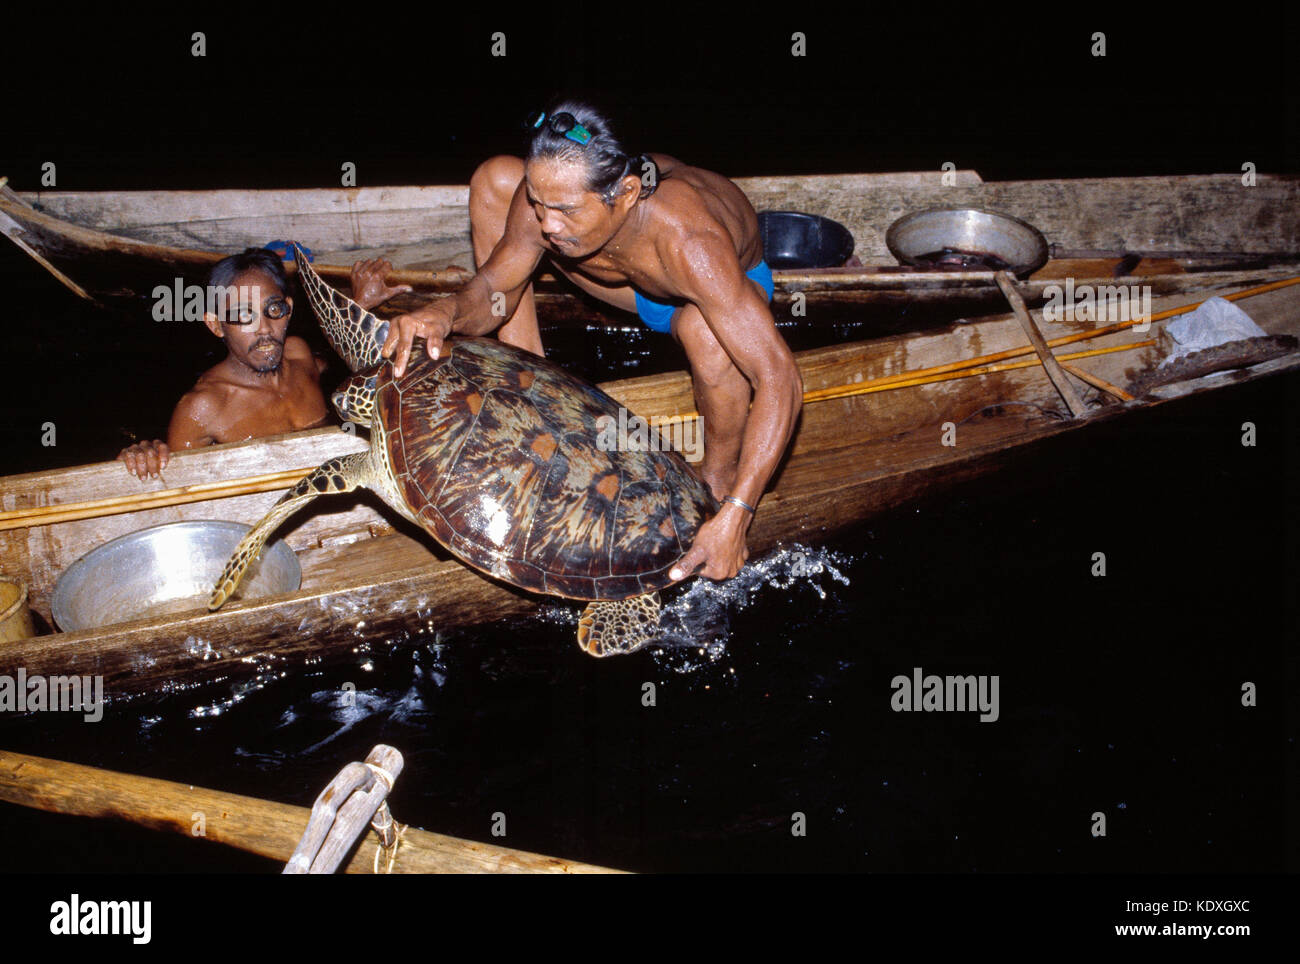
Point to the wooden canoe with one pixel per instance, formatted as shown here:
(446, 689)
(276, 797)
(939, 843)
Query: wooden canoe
(1190, 232)
(871, 436)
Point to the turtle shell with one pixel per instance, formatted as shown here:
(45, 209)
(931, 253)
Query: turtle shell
(498, 454)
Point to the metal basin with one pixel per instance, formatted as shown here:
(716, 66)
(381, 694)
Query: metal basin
(792, 239)
(162, 570)
(966, 238)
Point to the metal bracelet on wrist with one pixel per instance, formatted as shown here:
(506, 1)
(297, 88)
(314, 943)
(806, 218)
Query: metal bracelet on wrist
(744, 505)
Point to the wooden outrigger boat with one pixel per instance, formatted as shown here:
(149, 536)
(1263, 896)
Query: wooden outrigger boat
(876, 430)
(1176, 234)
(871, 436)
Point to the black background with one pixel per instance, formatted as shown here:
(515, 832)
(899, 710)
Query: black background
(286, 95)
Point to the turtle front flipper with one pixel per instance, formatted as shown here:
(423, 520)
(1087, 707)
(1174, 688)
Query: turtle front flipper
(353, 332)
(614, 627)
(337, 475)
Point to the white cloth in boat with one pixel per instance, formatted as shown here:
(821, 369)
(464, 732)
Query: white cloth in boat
(1216, 322)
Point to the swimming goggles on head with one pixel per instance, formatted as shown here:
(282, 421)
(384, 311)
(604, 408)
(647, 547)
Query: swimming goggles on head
(563, 123)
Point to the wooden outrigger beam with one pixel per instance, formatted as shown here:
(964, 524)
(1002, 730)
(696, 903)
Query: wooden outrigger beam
(261, 827)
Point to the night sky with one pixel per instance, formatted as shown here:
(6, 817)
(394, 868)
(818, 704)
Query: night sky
(284, 101)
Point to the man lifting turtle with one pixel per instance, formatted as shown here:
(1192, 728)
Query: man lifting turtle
(677, 245)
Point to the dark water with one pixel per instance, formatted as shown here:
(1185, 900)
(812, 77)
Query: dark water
(1118, 694)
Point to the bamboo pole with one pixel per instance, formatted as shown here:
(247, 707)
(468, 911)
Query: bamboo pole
(922, 376)
(950, 374)
(1096, 382)
(261, 827)
(990, 369)
(1084, 335)
(116, 505)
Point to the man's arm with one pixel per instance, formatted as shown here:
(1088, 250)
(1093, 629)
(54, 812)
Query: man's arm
(484, 302)
(705, 269)
(368, 285)
(188, 429)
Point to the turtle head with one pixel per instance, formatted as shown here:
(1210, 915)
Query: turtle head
(354, 400)
(353, 332)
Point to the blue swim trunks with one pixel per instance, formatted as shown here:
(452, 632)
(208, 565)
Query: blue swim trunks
(658, 315)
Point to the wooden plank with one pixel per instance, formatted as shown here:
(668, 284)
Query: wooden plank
(1191, 213)
(233, 219)
(105, 264)
(1151, 214)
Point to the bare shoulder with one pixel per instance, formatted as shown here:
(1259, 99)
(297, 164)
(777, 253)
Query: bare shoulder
(681, 175)
(207, 396)
(299, 354)
(297, 351)
(297, 347)
(684, 219)
(195, 417)
(701, 209)
(210, 395)
(691, 199)
(679, 190)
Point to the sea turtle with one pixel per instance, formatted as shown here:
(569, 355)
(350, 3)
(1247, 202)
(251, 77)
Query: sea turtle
(499, 455)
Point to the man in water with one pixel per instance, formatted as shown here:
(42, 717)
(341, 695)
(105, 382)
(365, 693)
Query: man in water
(269, 382)
(675, 244)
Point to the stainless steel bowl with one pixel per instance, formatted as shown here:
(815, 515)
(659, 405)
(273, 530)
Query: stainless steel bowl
(916, 238)
(164, 569)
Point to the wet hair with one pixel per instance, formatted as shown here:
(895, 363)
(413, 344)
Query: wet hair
(225, 271)
(606, 159)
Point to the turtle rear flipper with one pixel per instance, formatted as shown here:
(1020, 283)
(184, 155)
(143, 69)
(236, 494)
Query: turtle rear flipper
(613, 627)
(337, 475)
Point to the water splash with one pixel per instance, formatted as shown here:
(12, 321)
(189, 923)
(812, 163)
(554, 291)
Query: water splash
(697, 623)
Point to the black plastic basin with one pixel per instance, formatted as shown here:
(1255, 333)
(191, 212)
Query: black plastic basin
(792, 239)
